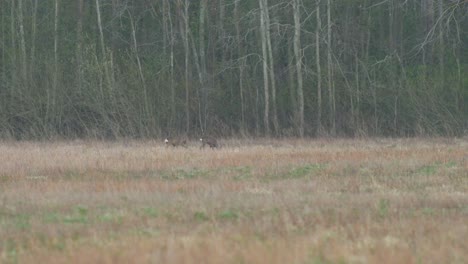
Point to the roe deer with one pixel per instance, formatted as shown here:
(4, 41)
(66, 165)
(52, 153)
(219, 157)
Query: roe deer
(210, 142)
(176, 142)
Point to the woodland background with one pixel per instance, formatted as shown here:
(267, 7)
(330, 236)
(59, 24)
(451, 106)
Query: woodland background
(153, 68)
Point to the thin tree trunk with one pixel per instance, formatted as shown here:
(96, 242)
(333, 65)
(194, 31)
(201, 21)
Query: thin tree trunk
(440, 8)
(79, 45)
(291, 81)
(4, 64)
(271, 67)
(170, 32)
(184, 29)
(358, 84)
(331, 92)
(221, 31)
(428, 17)
(392, 49)
(148, 116)
(187, 55)
(51, 97)
(202, 70)
(103, 47)
(298, 56)
(32, 60)
(241, 65)
(14, 62)
(319, 70)
(266, 118)
(200, 79)
(459, 98)
(114, 24)
(24, 71)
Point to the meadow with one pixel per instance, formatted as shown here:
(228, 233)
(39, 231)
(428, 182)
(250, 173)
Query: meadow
(251, 201)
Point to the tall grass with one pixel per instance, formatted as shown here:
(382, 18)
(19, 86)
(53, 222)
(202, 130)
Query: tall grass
(263, 201)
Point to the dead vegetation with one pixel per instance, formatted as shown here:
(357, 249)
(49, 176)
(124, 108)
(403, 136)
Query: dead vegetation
(263, 201)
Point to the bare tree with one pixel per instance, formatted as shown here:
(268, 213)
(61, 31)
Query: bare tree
(79, 45)
(202, 71)
(140, 69)
(427, 10)
(184, 29)
(331, 89)
(52, 95)
(13, 55)
(24, 72)
(298, 56)
(319, 70)
(241, 64)
(271, 66)
(103, 46)
(32, 60)
(169, 41)
(263, 30)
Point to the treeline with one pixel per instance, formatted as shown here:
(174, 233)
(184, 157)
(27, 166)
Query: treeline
(153, 68)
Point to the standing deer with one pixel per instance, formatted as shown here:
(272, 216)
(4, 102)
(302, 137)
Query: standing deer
(210, 142)
(175, 142)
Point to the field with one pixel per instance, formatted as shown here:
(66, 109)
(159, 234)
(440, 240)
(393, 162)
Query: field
(251, 201)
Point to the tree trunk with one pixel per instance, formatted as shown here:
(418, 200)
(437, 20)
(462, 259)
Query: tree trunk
(319, 70)
(79, 46)
(51, 97)
(271, 67)
(148, 117)
(32, 60)
(298, 56)
(24, 71)
(169, 30)
(428, 17)
(441, 43)
(184, 29)
(201, 38)
(103, 47)
(14, 62)
(4, 62)
(331, 91)
(266, 121)
(292, 76)
(241, 65)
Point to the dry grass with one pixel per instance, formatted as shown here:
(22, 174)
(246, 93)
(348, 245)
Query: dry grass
(264, 201)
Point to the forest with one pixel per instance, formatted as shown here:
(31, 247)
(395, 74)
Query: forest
(256, 68)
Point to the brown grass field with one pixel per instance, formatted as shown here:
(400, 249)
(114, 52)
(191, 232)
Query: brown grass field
(251, 201)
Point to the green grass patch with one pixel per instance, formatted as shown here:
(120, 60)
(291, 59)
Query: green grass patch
(299, 172)
(10, 251)
(428, 211)
(51, 217)
(22, 222)
(5, 178)
(71, 175)
(182, 174)
(200, 216)
(451, 164)
(80, 215)
(147, 232)
(239, 173)
(430, 169)
(306, 170)
(228, 215)
(150, 212)
(383, 207)
(111, 217)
